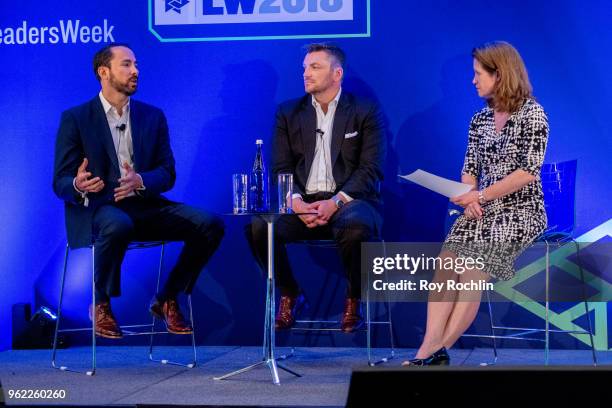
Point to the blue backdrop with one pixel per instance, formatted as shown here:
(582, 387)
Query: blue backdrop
(220, 96)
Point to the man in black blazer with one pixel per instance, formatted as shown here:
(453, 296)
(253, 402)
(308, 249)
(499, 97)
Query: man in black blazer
(333, 144)
(112, 163)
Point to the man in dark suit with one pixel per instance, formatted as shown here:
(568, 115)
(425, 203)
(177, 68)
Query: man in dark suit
(112, 162)
(333, 144)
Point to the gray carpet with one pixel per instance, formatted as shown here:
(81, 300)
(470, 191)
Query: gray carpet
(125, 376)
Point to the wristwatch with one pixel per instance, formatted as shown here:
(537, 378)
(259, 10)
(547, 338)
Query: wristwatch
(339, 203)
(481, 198)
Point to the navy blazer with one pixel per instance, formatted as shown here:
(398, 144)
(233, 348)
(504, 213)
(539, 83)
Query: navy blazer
(84, 132)
(358, 145)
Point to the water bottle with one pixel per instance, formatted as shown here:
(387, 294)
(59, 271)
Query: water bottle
(259, 201)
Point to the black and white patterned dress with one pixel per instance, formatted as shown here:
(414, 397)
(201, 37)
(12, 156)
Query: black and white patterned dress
(510, 223)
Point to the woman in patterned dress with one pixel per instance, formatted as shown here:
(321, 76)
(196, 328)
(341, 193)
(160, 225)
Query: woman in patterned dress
(504, 212)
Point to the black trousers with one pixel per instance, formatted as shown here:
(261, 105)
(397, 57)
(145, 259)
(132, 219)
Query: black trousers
(138, 219)
(356, 222)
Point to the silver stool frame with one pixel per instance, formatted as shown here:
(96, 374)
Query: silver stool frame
(129, 329)
(524, 333)
(329, 243)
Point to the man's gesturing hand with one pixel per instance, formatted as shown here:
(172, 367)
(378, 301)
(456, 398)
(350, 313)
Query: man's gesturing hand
(128, 183)
(83, 181)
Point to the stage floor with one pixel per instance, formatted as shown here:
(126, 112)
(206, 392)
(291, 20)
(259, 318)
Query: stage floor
(125, 376)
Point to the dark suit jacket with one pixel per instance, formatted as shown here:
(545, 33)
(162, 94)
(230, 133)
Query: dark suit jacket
(357, 162)
(84, 132)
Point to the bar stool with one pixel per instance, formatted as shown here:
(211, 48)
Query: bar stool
(529, 334)
(129, 330)
(317, 325)
(558, 184)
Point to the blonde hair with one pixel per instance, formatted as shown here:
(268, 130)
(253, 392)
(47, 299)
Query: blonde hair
(513, 86)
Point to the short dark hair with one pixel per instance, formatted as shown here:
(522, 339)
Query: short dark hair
(104, 56)
(332, 50)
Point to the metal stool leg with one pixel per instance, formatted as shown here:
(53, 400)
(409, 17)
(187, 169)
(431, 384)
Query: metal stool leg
(368, 325)
(391, 335)
(59, 309)
(490, 307)
(54, 364)
(586, 311)
(153, 332)
(547, 311)
(389, 317)
(493, 336)
(93, 303)
(586, 304)
(369, 322)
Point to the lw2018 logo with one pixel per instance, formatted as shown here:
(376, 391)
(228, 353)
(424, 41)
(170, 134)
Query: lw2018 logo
(214, 20)
(176, 5)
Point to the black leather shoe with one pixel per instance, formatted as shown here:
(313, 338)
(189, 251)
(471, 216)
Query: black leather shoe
(439, 358)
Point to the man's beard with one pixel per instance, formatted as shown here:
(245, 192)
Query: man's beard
(318, 87)
(122, 88)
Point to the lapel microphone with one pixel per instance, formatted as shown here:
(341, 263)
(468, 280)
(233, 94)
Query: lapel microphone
(120, 128)
(321, 133)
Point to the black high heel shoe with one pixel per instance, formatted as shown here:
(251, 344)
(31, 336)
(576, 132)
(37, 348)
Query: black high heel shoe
(439, 358)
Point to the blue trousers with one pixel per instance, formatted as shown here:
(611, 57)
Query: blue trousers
(138, 219)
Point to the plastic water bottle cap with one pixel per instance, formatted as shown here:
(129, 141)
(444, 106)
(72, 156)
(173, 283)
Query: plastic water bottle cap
(259, 141)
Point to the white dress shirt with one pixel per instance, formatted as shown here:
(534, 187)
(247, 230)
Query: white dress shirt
(321, 178)
(122, 139)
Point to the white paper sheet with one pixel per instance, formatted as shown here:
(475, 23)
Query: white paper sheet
(440, 185)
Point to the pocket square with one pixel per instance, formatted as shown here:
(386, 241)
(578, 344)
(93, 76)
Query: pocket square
(349, 135)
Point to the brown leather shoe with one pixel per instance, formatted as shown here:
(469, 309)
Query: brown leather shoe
(289, 305)
(351, 318)
(170, 313)
(106, 325)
